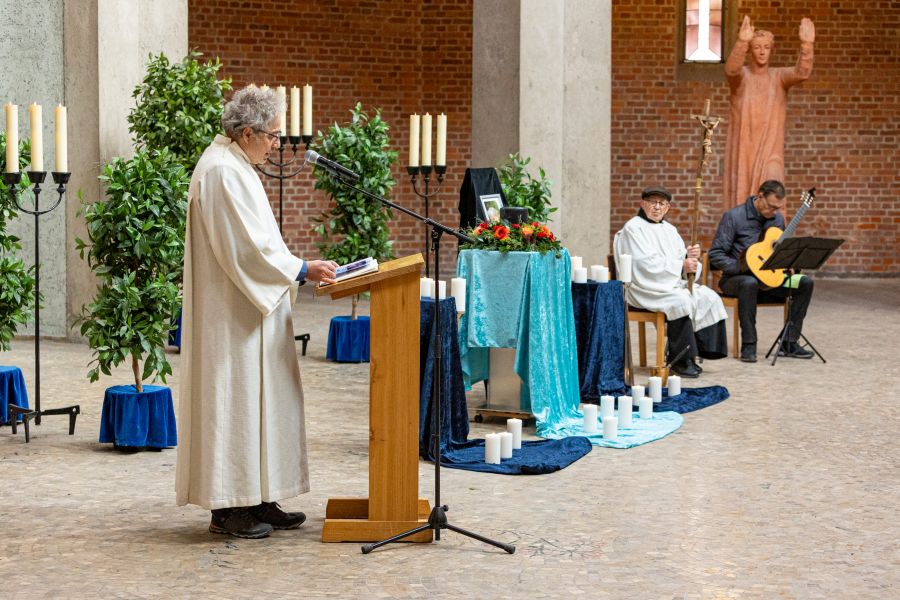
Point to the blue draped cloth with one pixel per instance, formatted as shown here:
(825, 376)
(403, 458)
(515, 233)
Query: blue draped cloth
(12, 391)
(145, 419)
(599, 310)
(535, 457)
(348, 339)
(691, 399)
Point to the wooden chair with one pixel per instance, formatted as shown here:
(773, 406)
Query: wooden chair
(642, 317)
(711, 280)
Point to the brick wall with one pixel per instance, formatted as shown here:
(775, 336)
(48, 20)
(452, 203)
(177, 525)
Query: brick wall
(842, 126)
(402, 57)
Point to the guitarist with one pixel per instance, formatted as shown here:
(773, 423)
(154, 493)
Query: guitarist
(739, 228)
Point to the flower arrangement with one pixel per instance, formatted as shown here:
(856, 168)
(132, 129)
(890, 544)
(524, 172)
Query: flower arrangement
(518, 237)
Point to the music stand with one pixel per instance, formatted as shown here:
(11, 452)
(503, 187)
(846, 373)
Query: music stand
(793, 254)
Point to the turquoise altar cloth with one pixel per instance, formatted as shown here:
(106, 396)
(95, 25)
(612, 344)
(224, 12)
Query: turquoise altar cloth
(641, 431)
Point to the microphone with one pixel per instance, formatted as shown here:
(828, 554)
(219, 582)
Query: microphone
(330, 166)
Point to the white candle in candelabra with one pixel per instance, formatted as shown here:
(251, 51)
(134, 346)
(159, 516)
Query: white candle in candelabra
(62, 152)
(37, 137)
(458, 291)
(442, 290)
(12, 138)
(307, 109)
(426, 140)
(414, 127)
(441, 152)
(607, 406)
(625, 268)
(295, 111)
(426, 287)
(514, 426)
(645, 408)
(492, 449)
(506, 444)
(579, 275)
(637, 392)
(590, 418)
(674, 382)
(281, 93)
(576, 262)
(610, 425)
(625, 411)
(655, 388)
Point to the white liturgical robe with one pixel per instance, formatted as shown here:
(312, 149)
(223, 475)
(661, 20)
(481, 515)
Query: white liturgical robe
(242, 438)
(658, 254)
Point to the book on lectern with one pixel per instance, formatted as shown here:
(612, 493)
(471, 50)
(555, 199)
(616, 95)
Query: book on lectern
(355, 269)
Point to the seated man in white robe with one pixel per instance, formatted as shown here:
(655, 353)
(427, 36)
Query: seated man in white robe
(660, 264)
(242, 445)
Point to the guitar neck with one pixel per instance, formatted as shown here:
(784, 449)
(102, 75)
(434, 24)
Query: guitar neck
(795, 222)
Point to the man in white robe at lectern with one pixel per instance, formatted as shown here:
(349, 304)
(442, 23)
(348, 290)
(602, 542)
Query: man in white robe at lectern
(660, 264)
(242, 446)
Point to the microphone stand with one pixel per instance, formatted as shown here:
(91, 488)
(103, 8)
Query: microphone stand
(437, 520)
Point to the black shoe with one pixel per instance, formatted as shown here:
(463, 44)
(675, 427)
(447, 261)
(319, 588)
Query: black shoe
(794, 350)
(271, 513)
(748, 353)
(238, 522)
(687, 369)
(696, 366)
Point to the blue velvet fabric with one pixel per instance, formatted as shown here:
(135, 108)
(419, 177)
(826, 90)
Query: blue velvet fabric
(691, 399)
(599, 310)
(348, 339)
(145, 419)
(12, 391)
(175, 334)
(535, 457)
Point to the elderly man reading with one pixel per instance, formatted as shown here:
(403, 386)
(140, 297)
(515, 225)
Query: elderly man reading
(660, 262)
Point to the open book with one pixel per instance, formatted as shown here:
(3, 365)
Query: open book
(355, 269)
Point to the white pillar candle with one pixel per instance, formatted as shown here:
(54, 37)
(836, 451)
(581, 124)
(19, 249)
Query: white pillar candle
(514, 426)
(645, 408)
(426, 140)
(576, 262)
(674, 382)
(492, 449)
(414, 126)
(607, 406)
(281, 93)
(596, 272)
(37, 137)
(440, 158)
(295, 111)
(12, 138)
(442, 289)
(590, 418)
(625, 411)
(307, 109)
(426, 287)
(458, 291)
(604, 274)
(610, 425)
(264, 87)
(579, 275)
(625, 268)
(506, 444)
(637, 392)
(655, 389)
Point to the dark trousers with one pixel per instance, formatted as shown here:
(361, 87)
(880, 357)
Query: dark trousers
(710, 342)
(746, 289)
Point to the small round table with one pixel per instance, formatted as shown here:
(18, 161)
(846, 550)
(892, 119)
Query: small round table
(12, 391)
(348, 339)
(142, 420)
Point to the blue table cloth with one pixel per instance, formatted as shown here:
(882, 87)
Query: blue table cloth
(145, 419)
(12, 391)
(348, 339)
(535, 457)
(599, 310)
(175, 334)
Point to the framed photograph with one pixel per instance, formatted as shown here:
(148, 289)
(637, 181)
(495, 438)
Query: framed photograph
(490, 207)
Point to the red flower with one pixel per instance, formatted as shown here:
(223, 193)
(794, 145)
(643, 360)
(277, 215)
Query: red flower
(501, 232)
(543, 234)
(535, 224)
(515, 225)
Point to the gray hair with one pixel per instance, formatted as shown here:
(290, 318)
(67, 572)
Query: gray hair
(250, 107)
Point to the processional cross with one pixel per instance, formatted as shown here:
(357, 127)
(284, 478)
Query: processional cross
(709, 123)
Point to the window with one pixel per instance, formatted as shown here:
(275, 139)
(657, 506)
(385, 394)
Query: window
(707, 30)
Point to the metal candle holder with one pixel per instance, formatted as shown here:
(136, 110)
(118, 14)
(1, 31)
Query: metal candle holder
(425, 170)
(37, 178)
(281, 165)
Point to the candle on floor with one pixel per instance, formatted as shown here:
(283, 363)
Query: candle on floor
(674, 382)
(514, 426)
(492, 449)
(610, 425)
(625, 268)
(458, 291)
(655, 389)
(579, 275)
(607, 406)
(506, 444)
(625, 411)
(645, 409)
(576, 262)
(590, 418)
(637, 392)
(426, 287)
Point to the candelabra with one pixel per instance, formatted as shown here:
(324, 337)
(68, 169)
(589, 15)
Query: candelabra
(13, 180)
(425, 170)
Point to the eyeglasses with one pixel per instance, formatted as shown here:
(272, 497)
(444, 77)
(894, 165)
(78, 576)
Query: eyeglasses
(661, 203)
(272, 136)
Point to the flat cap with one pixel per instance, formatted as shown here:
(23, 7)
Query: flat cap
(656, 191)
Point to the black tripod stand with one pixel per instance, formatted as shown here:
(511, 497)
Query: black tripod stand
(437, 520)
(792, 255)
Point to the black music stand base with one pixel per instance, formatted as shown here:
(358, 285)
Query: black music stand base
(28, 414)
(783, 337)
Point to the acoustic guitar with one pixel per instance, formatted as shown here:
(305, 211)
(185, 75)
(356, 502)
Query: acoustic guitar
(757, 254)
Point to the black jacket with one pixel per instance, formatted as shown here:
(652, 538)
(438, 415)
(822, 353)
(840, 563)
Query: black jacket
(740, 227)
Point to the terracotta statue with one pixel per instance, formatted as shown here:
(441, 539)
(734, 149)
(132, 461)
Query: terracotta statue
(754, 150)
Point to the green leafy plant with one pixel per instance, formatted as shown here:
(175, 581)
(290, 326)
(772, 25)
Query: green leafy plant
(179, 107)
(356, 227)
(136, 249)
(521, 189)
(16, 280)
(524, 237)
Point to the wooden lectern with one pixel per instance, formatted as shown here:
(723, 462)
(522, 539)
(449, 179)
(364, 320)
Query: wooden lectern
(393, 505)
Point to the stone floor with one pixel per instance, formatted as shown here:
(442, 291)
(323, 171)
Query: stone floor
(789, 489)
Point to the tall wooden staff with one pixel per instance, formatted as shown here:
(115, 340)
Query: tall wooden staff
(708, 123)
